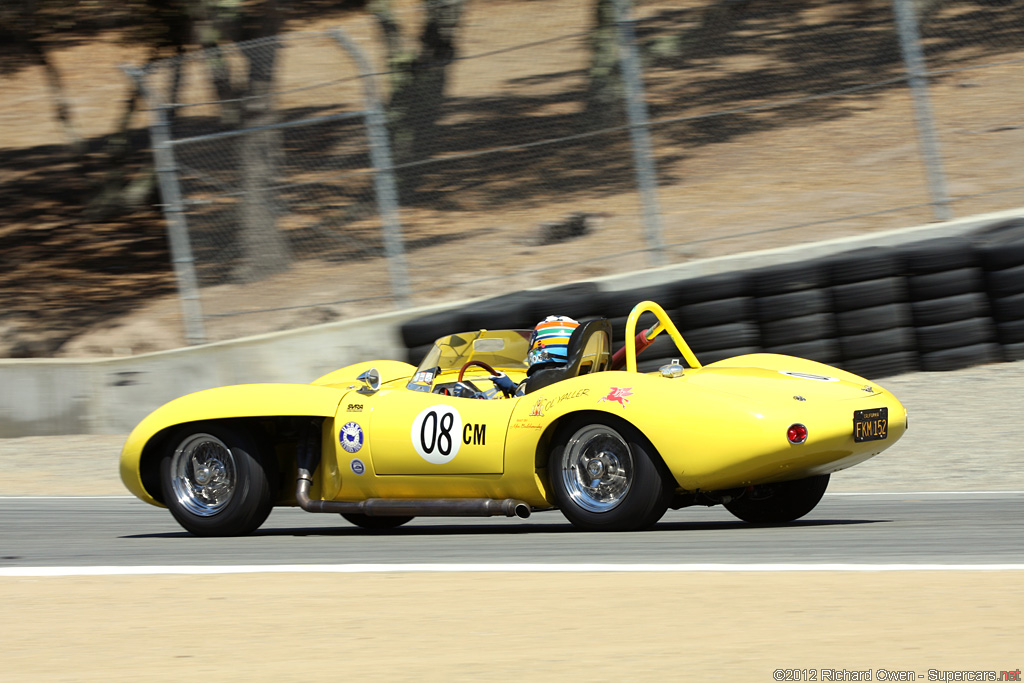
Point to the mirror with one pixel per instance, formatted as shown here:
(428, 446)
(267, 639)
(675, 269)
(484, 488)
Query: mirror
(370, 380)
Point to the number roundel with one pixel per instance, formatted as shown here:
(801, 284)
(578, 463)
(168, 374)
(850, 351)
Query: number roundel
(437, 434)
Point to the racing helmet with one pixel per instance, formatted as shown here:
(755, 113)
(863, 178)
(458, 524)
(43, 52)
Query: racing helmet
(549, 343)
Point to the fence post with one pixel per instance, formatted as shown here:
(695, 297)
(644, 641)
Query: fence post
(913, 58)
(384, 172)
(174, 212)
(639, 131)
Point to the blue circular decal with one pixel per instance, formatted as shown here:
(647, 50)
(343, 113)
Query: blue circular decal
(357, 466)
(351, 437)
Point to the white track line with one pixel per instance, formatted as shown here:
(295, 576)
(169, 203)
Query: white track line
(923, 493)
(501, 568)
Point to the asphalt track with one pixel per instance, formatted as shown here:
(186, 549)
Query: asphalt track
(947, 528)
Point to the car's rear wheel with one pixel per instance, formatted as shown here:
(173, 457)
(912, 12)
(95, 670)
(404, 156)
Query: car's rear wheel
(217, 481)
(604, 477)
(777, 503)
(375, 523)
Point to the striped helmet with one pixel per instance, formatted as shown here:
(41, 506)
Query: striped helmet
(549, 342)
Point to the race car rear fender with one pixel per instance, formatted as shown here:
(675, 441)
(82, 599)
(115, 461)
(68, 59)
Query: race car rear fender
(142, 451)
(559, 430)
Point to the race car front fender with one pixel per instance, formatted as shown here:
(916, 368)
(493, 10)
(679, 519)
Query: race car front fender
(239, 401)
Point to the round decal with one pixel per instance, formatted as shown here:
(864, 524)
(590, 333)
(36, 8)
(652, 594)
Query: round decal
(807, 375)
(351, 437)
(357, 466)
(437, 434)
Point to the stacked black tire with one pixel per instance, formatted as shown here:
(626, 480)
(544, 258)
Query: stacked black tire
(1001, 251)
(716, 316)
(941, 304)
(794, 311)
(869, 298)
(949, 305)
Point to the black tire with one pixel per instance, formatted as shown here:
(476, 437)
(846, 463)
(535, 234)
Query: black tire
(577, 300)
(779, 503)
(792, 305)
(949, 283)
(428, 328)
(731, 336)
(710, 288)
(789, 277)
(877, 343)
(1004, 255)
(1008, 308)
(795, 330)
(857, 295)
(376, 523)
(619, 302)
(871, 263)
(633, 490)
(885, 365)
(821, 350)
(711, 313)
(1005, 282)
(509, 311)
(940, 255)
(949, 309)
(1013, 352)
(1010, 331)
(874, 319)
(1002, 245)
(217, 481)
(955, 335)
(962, 357)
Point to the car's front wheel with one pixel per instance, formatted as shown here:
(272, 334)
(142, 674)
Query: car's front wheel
(604, 477)
(778, 503)
(217, 481)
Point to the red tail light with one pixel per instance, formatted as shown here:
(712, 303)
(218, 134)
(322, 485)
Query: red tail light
(796, 433)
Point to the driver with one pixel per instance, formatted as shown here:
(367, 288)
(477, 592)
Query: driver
(549, 346)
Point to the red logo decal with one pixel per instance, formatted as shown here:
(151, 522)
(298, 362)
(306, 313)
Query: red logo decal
(538, 408)
(618, 395)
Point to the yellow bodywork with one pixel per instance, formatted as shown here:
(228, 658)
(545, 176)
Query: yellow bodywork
(716, 427)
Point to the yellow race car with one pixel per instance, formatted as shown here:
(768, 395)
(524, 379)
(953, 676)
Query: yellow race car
(470, 433)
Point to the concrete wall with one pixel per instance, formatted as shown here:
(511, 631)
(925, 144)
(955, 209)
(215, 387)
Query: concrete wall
(67, 396)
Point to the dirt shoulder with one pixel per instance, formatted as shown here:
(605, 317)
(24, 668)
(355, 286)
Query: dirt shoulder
(542, 627)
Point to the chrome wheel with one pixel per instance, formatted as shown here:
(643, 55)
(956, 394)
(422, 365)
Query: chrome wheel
(204, 475)
(597, 468)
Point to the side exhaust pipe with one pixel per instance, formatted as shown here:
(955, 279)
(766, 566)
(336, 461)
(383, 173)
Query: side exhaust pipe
(401, 507)
(308, 459)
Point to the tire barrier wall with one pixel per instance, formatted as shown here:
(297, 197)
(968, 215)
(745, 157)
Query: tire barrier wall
(932, 297)
(936, 304)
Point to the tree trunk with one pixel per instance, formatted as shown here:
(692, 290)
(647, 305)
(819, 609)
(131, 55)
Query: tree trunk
(418, 84)
(265, 249)
(604, 96)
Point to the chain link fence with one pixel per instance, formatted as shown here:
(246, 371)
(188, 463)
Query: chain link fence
(299, 187)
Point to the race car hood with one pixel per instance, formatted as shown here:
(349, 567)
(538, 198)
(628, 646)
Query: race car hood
(775, 377)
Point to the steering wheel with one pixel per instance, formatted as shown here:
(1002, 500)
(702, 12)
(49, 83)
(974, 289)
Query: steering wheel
(488, 368)
(480, 363)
